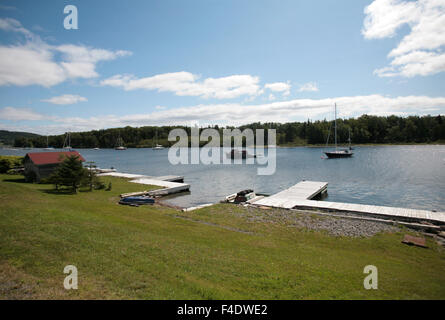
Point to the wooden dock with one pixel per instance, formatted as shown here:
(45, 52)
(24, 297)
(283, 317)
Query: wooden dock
(169, 183)
(299, 197)
(293, 196)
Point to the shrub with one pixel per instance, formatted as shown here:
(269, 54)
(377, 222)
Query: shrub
(10, 162)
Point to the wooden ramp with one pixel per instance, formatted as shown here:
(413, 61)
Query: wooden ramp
(293, 196)
(167, 182)
(299, 197)
(169, 187)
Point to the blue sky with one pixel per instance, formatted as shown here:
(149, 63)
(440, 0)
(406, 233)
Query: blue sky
(217, 62)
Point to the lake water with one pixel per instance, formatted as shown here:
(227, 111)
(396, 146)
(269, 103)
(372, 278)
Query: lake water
(399, 176)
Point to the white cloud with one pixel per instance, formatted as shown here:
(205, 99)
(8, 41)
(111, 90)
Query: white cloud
(66, 99)
(26, 65)
(420, 51)
(18, 114)
(283, 87)
(310, 86)
(35, 61)
(186, 84)
(9, 24)
(80, 62)
(237, 114)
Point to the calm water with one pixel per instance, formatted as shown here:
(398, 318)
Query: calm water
(403, 176)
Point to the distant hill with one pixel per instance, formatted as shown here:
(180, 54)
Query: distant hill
(8, 137)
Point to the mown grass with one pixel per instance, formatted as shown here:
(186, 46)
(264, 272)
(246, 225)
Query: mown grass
(155, 252)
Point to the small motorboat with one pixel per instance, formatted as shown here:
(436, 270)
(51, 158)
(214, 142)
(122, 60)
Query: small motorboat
(244, 196)
(137, 200)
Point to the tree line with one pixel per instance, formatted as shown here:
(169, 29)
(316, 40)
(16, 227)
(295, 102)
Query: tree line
(364, 129)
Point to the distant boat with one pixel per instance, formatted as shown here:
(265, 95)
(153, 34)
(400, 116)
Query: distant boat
(96, 148)
(120, 144)
(337, 153)
(67, 142)
(349, 140)
(47, 145)
(239, 154)
(157, 146)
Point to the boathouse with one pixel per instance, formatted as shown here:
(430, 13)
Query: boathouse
(39, 165)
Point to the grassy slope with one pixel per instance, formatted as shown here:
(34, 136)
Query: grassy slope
(150, 252)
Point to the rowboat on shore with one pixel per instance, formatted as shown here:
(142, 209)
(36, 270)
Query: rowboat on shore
(137, 200)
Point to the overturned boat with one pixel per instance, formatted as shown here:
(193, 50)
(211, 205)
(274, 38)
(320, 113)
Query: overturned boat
(137, 200)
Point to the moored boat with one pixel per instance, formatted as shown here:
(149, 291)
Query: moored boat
(240, 154)
(337, 153)
(120, 144)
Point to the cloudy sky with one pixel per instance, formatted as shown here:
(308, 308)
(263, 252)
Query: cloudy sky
(217, 62)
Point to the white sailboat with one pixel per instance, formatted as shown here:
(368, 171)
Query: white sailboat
(120, 144)
(47, 145)
(67, 142)
(349, 140)
(157, 146)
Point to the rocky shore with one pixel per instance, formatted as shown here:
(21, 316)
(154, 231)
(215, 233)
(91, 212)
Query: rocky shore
(334, 225)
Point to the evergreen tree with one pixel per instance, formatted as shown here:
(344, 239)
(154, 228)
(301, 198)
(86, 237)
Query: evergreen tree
(69, 173)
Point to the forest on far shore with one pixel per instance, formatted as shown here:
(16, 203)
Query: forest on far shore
(365, 129)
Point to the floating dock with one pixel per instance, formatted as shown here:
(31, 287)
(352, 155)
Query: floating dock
(170, 184)
(299, 197)
(293, 196)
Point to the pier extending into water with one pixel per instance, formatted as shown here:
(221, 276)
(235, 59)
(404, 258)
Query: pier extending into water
(170, 184)
(300, 196)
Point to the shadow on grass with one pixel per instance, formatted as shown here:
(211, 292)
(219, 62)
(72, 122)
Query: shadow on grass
(64, 191)
(58, 192)
(16, 180)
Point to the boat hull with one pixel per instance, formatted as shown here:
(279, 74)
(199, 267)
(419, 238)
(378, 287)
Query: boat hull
(338, 154)
(137, 200)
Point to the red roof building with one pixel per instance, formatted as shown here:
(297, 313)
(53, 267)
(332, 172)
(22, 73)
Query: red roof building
(42, 158)
(40, 165)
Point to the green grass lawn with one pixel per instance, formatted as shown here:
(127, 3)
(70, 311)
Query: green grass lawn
(155, 252)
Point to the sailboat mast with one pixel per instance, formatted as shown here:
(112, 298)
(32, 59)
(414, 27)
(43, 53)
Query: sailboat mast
(349, 139)
(335, 125)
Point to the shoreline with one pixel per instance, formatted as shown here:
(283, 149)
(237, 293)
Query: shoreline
(5, 147)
